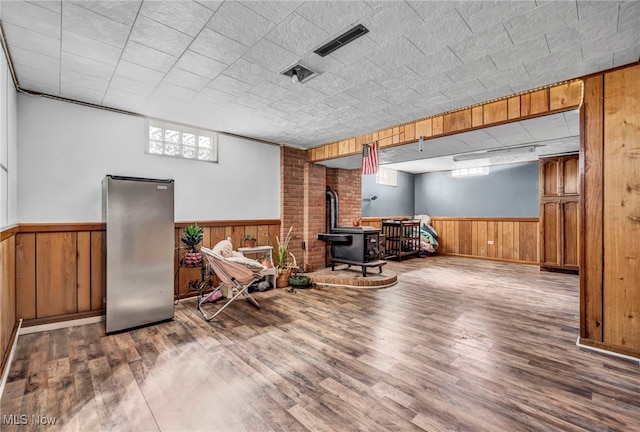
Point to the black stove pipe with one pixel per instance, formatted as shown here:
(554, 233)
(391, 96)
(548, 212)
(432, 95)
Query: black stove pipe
(332, 197)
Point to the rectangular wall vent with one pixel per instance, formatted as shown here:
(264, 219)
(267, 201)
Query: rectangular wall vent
(342, 40)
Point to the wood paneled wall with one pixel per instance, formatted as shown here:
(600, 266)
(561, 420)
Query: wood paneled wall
(60, 271)
(265, 231)
(504, 239)
(60, 268)
(557, 98)
(610, 211)
(7, 294)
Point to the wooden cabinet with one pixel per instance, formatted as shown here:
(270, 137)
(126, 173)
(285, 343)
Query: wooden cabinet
(559, 204)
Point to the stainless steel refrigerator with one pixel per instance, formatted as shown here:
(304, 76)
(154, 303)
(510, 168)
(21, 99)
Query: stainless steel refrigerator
(140, 251)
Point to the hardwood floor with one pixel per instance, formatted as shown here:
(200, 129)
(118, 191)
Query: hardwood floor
(457, 344)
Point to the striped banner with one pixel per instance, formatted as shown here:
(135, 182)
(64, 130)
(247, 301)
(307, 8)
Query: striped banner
(370, 158)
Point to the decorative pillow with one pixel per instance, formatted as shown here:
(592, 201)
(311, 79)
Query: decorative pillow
(224, 248)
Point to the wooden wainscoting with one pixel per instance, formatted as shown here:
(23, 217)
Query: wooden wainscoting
(265, 231)
(60, 269)
(503, 239)
(8, 322)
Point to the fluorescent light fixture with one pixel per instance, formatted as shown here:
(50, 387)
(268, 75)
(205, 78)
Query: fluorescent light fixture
(495, 153)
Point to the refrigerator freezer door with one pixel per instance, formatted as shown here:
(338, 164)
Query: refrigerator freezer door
(139, 218)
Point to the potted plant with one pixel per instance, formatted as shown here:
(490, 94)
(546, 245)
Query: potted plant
(284, 266)
(191, 237)
(249, 240)
(265, 261)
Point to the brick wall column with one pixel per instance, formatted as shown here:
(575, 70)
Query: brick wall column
(292, 202)
(314, 215)
(303, 204)
(348, 186)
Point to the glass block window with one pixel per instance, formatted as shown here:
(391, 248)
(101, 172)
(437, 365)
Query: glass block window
(387, 176)
(179, 141)
(470, 172)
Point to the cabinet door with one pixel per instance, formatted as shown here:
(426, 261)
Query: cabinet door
(559, 176)
(550, 234)
(569, 256)
(569, 176)
(548, 177)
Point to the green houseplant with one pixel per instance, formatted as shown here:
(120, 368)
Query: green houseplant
(285, 266)
(191, 237)
(249, 240)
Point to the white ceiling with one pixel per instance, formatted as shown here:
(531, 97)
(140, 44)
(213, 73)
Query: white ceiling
(216, 64)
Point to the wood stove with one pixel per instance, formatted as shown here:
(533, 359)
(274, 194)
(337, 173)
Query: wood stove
(357, 245)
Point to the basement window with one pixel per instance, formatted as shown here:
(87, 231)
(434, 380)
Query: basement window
(470, 172)
(169, 139)
(387, 177)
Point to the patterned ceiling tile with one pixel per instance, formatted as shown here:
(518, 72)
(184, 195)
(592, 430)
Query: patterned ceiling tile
(270, 56)
(247, 72)
(139, 73)
(297, 35)
(418, 59)
(31, 40)
(85, 22)
(200, 65)
(229, 85)
(159, 36)
(274, 11)
(542, 19)
(31, 16)
(175, 92)
(151, 58)
(185, 16)
(86, 65)
(218, 47)
(492, 39)
(86, 47)
(334, 16)
(35, 60)
(123, 12)
(186, 80)
(240, 23)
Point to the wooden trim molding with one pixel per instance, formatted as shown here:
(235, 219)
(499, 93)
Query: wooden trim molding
(61, 227)
(494, 219)
(626, 351)
(225, 223)
(7, 350)
(101, 226)
(9, 232)
(557, 98)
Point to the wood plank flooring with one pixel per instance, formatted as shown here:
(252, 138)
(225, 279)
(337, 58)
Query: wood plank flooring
(457, 344)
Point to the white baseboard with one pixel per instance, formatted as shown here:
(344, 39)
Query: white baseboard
(61, 324)
(5, 373)
(609, 353)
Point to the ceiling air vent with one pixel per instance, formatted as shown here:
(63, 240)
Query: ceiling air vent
(299, 73)
(342, 40)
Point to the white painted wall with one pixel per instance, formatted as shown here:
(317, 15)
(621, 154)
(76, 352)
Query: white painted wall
(8, 147)
(65, 150)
